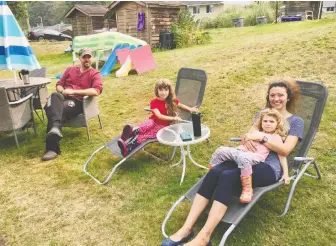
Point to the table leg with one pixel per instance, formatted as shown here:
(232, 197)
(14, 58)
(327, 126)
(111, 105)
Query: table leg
(179, 162)
(183, 154)
(183, 161)
(192, 160)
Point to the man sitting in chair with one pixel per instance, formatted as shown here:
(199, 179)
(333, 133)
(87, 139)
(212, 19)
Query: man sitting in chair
(67, 102)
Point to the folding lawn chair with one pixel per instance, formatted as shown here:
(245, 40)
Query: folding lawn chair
(190, 87)
(314, 96)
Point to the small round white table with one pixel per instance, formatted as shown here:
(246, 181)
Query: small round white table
(170, 135)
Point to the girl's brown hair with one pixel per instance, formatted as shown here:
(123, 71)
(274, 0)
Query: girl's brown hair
(282, 125)
(292, 89)
(170, 100)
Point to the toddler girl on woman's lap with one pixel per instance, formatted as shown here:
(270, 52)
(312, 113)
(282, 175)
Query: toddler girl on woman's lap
(164, 112)
(270, 125)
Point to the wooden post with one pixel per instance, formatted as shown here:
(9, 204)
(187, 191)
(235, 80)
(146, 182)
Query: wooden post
(148, 26)
(320, 10)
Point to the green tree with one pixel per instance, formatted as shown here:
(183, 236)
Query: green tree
(187, 31)
(19, 9)
(41, 11)
(52, 13)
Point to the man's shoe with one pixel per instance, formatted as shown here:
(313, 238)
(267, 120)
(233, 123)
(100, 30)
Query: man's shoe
(50, 155)
(169, 242)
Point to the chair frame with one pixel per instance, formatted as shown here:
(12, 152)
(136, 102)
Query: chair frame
(184, 73)
(37, 103)
(236, 212)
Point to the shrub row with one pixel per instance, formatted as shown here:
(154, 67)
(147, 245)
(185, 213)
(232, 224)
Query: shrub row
(249, 13)
(187, 31)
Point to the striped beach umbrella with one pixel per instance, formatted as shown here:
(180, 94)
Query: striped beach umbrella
(15, 51)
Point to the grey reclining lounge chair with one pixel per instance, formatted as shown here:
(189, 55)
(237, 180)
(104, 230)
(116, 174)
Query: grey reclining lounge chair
(190, 87)
(314, 96)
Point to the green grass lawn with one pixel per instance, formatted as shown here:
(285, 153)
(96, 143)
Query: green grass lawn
(55, 203)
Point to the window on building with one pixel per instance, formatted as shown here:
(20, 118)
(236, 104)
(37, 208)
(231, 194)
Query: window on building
(209, 8)
(196, 10)
(330, 9)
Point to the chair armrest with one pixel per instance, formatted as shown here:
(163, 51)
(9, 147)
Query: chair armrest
(21, 111)
(148, 109)
(90, 107)
(21, 100)
(235, 139)
(303, 159)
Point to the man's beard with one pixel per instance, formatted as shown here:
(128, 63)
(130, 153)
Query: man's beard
(87, 65)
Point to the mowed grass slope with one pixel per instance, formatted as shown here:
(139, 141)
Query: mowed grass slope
(54, 203)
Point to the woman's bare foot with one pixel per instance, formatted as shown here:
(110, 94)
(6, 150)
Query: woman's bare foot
(202, 239)
(182, 233)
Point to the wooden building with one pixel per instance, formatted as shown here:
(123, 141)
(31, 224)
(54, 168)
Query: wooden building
(159, 16)
(86, 18)
(300, 8)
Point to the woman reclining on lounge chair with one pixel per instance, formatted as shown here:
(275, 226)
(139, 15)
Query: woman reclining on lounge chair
(222, 179)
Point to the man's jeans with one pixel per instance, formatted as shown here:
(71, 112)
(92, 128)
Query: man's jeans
(58, 110)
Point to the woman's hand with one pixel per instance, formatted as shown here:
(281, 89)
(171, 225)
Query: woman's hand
(285, 178)
(248, 144)
(255, 136)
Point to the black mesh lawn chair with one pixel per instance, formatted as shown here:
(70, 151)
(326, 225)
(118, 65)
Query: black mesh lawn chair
(314, 96)
(190, 87)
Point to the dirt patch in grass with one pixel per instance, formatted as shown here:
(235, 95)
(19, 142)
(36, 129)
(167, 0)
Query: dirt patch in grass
(2, 242)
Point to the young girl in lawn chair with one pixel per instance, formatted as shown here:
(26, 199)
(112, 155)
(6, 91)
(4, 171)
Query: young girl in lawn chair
(164, 111)
(269, 126)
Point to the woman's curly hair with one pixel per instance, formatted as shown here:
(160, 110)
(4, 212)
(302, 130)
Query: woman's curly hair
(282, 125)
(170, 100)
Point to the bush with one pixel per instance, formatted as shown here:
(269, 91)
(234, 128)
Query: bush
(249, 13)
(187, 31)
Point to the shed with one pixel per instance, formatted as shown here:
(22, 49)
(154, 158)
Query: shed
(159, 16)
(86, 18)
(300, 7)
